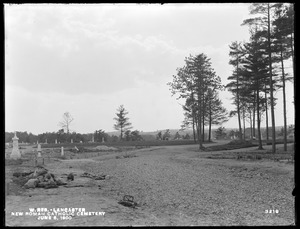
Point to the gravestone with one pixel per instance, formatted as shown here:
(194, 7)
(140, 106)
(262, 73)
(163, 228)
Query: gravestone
(62, 151)
(15, 154)
(55, 141)
(72, 140)
(102, 139)
(39, 150)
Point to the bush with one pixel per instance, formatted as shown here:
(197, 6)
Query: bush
(239, 142)
(235, 144)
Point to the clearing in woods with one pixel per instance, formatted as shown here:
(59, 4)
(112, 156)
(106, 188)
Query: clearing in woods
(172, 186)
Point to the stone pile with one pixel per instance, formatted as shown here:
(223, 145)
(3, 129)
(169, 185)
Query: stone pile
(40, 178)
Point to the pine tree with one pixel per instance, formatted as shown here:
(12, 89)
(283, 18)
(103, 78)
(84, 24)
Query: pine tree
(236, 83)
(265, 24)
(256, 70)
(282, 47)
(193, 81)
(123, 123)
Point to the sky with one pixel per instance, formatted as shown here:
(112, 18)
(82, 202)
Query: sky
(88, 59)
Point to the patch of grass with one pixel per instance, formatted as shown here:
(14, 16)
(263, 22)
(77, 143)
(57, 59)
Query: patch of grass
(125, 156)
(235, 144)
(279, 141)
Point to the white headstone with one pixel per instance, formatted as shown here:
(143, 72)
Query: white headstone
(55, 141)
(15, 154)
(62, 151)
(72, 140)
(102, 139)
(92, 138)
(46, 141)
(39, 150)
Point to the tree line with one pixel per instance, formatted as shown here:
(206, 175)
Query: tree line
(65, 134)
(259, 71)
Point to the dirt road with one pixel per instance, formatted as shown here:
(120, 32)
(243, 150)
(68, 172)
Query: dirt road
(173, 185)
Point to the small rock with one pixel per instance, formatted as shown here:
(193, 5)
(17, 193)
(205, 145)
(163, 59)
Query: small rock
(51, 184)
(70, 177)
(60, 182)
(41, 178)
(42, 184)
(32, 183)
(48, 176)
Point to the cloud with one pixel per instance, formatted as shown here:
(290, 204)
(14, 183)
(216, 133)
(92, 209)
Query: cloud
(90, 58)
(67, 53)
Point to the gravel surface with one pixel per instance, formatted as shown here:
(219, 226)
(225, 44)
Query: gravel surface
(173, 186)
(177, 184)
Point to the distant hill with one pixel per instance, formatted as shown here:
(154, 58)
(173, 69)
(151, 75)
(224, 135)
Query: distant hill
(154, 133)
(189, 131)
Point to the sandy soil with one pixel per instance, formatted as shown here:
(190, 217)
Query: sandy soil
(173, 185)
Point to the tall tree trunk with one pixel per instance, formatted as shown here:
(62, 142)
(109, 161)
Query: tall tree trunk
(292, 50)
(200, 130)
(284, 100)
(194, 134)
(209, 125)
(197, 126)
(238, 99)
(295, 154)
(254, 135)
(203, 120)
(250, 117)
(258, 119)
(267, 118)
(199, 118)
(271, 83)
(244, 137)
